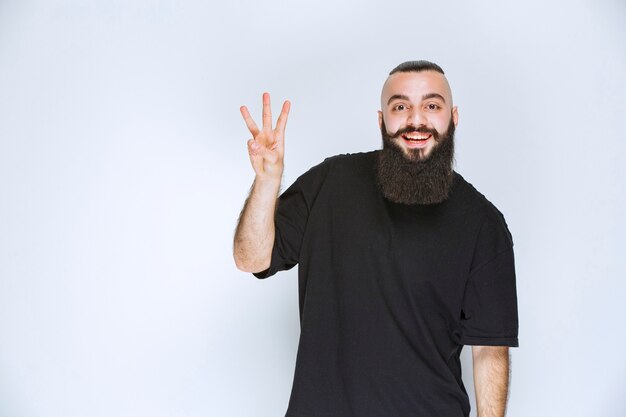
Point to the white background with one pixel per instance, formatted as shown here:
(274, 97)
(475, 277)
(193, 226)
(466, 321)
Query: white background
(123, 168)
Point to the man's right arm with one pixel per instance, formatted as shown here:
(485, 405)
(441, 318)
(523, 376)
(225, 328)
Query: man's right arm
(254, 236)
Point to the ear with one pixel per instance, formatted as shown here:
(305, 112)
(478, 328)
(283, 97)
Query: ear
(455, 115)
(380, 119)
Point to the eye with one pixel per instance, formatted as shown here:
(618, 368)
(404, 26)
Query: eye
(433, 106)
(399, 107)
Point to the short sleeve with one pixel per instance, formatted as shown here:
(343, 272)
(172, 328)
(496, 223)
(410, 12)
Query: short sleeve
(489, 314)
(292, 213)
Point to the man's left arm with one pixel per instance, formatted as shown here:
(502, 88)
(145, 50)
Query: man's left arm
(491, 379)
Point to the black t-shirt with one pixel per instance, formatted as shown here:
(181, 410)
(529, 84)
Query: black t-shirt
(390, 293)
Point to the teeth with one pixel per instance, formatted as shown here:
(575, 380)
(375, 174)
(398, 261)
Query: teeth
(417, 136)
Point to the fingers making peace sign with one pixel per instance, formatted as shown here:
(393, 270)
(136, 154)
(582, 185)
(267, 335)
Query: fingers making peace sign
(267, 146)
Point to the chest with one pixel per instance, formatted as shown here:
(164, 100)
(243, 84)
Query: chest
(373, 246)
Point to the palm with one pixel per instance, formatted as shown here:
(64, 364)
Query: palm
(267, 147)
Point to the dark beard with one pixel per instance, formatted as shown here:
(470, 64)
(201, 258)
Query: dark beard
(415, 179)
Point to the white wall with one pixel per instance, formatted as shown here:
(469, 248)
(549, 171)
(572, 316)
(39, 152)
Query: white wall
(123, 168)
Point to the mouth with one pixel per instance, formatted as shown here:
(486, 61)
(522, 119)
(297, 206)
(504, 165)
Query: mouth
(416, 139)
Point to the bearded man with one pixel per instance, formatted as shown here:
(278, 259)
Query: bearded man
(402, 262)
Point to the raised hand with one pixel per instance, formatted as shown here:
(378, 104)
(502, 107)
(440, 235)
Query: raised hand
(267, 146)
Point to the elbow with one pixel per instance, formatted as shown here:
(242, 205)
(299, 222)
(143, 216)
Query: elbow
(250, 260)
(251, 265)
(241, 263)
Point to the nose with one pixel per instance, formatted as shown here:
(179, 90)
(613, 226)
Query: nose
(415, 117)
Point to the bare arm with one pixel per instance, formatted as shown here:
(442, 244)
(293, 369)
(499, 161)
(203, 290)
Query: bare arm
(491, 379)
(254, 236)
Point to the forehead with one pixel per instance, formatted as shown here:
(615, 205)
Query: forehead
(415, 85)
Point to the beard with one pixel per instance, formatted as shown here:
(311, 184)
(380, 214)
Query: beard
(414, 178)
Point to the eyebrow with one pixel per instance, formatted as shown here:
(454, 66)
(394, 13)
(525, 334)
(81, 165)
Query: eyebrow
(397, 97)
(433, 95)
(424, 97)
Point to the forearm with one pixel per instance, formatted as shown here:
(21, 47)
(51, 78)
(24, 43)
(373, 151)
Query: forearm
(254, 236)
(491, 379)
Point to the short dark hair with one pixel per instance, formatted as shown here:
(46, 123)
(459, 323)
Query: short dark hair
(417, 66)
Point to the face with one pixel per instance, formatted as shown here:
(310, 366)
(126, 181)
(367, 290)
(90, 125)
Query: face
(416, 109)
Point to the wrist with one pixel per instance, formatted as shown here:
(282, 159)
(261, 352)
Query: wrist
(267, 184)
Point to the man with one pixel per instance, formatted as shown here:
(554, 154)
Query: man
(401, 263)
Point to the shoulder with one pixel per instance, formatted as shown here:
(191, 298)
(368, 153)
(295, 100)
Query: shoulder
(491, 218)
(343, 163)
(351, 159)
(332, 171)
(336, 175)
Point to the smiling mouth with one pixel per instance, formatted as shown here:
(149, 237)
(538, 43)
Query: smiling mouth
(416, 137)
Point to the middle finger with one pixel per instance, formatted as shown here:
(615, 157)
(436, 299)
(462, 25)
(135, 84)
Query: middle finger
(267, 112)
